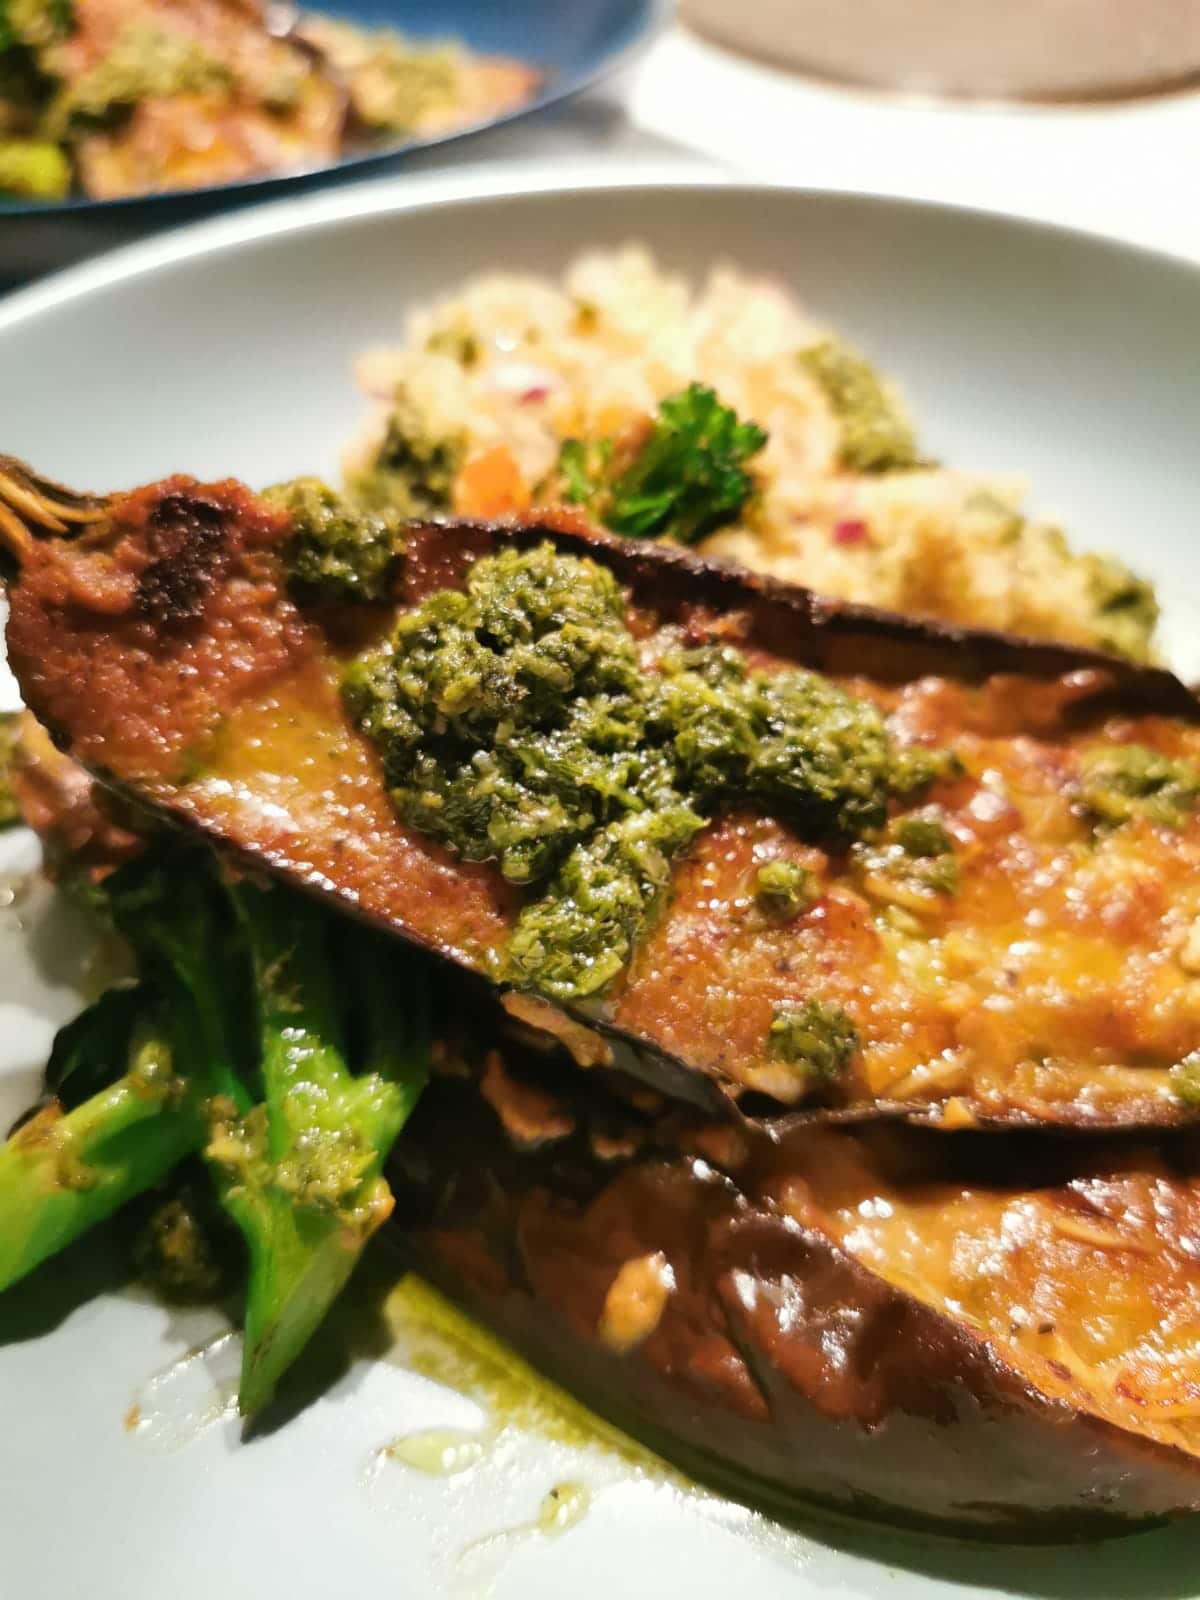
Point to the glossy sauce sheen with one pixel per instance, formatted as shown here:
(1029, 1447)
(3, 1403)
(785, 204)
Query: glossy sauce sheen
(1055, 985)
(838, 1326)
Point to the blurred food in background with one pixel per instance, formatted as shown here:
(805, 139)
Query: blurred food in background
(113, 98)
(727, 417)
(1044, 49)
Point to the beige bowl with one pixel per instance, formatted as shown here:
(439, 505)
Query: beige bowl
(1044, 49)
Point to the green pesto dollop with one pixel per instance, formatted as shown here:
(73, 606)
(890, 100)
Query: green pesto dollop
(876, 435)
(783, 889)
(814, 1037)
(1120, 782)
(10, 812)
(519, 723)
(339, 551)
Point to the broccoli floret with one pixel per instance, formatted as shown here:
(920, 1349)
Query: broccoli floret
(783, 889)
(1121, 782)
(34, 169)
(135, 1076)
(64, 1171)
(815, 1038)
(10, 811)
(301, 1174)
(876, 436)
(339, 551)
(685, 481)
(159, 1070)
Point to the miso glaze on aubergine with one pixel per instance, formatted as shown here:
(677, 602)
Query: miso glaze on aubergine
(896, 1324)
(1008, 933)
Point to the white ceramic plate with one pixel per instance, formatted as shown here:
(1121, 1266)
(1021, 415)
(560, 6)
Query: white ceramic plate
(227, 350)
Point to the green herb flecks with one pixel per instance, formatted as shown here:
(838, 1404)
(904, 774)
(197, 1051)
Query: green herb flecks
(1126, 607)
(34, 24)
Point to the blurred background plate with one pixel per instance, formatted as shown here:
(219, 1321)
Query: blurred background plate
(573, 43)
(228, 349)
(1034, 49)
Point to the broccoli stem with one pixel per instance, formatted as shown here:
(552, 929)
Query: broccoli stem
(172, 909)
(303, 1173)
(72, 1165)
(63, 1172)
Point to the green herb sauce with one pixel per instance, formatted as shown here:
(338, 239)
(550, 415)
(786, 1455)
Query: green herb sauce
(913, 851)
(519, 722)
(819, 1040)
(1121, 782)
(339, 551)
(783, 889)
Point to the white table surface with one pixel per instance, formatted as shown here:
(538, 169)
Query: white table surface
(1125, 169)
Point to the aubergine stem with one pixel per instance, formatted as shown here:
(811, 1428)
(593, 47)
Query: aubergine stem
(26, 498)
(302, 1174)
(64, 1171)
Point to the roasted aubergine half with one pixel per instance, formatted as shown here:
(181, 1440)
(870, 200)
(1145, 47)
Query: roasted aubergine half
(987, 1335)
(782, 857)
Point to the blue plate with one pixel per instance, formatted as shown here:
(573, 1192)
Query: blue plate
(572, 42)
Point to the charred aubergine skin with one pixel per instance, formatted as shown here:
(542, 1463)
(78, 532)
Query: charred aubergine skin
(774, 1365)
(156, 636)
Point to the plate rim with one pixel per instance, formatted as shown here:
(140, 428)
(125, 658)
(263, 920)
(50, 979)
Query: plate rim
(400, 195)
